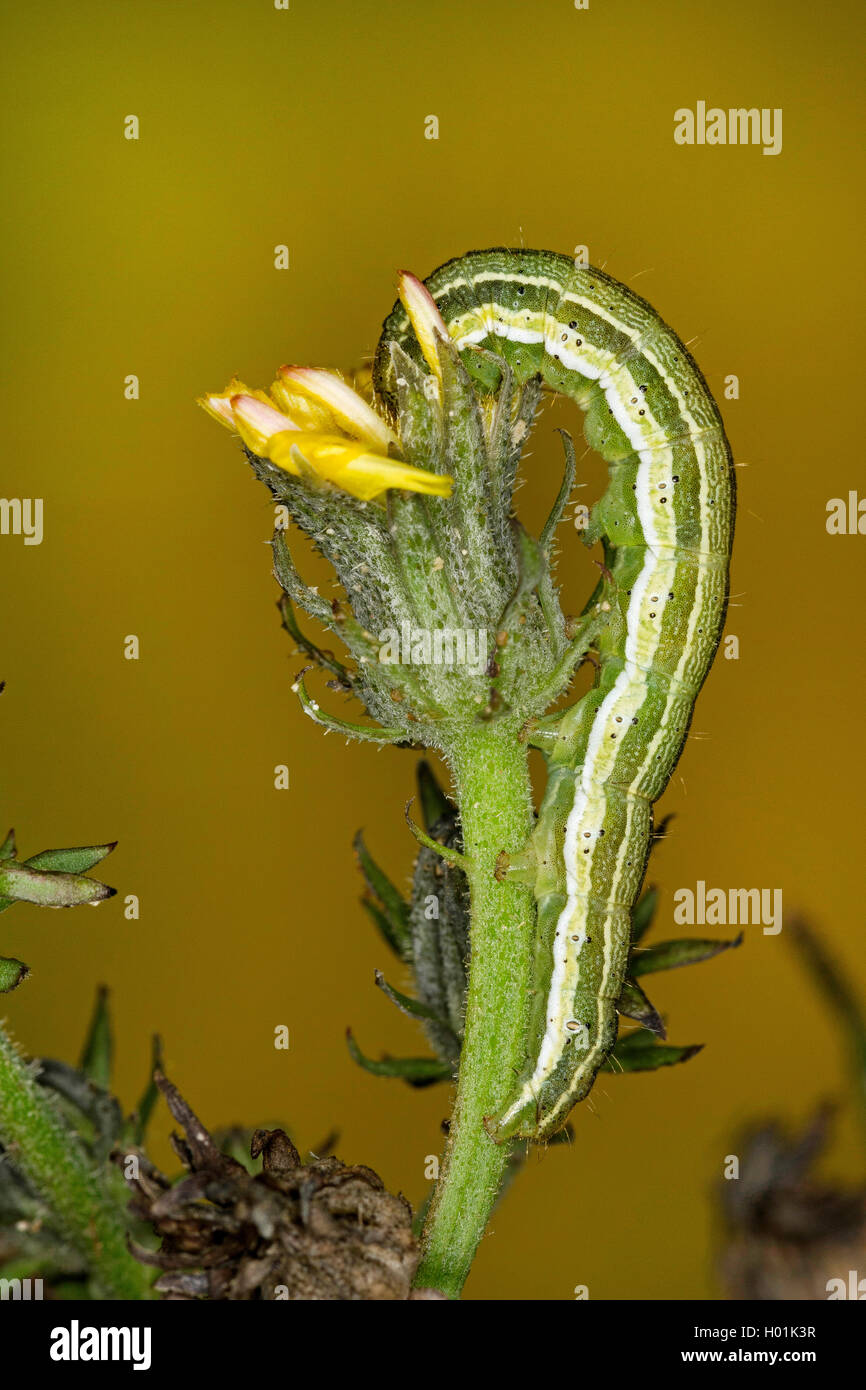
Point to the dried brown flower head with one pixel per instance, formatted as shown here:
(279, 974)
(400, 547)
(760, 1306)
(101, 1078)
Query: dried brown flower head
(791, 1236)
(317, 1230)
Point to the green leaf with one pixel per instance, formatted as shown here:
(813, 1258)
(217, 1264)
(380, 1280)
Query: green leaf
(668, 955)
(415, 1071)
(291, 583)
(642, 916)
(395, 909)
(413, 1007)
(70, 861)
(435, 805)
(21, 883)
(531, 568)
(633, 1003)
(96, 1055)
(8, 850)
(320, 655)
(96, 1105)
(383, 924)
(12, 973)
(293, 586)
(639, 1052)
(564, 492)
(150, 1095)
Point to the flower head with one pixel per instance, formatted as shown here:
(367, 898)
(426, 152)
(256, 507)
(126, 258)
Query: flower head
(317, 428)
(430, 582)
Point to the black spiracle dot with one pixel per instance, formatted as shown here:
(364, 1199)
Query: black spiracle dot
(573, 323)
(521, 289)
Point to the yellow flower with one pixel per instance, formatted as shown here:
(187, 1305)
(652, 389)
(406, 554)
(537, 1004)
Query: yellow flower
(316, 427)
(424, 315)
(296, 386)
(351, 465)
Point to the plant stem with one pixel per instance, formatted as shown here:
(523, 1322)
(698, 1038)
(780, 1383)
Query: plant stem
(490, 768)
(53, 1160)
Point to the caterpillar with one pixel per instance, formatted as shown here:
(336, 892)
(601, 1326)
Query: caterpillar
(666, 525)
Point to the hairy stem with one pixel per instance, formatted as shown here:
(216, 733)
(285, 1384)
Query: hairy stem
(54, 1162)
(493, 791)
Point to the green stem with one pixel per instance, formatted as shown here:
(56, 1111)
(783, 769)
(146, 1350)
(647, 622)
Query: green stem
(52, 1159)
(491, 774)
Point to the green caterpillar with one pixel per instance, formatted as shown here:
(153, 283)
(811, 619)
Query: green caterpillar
(666, 523)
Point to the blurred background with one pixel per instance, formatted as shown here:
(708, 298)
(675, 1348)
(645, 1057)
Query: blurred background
(155, 257)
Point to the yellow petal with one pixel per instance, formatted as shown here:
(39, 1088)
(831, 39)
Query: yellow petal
(424, 316)
(346, 407)
(218, 404)
(369, 475)
(351, 465)
(303, 411)
(219, 407)
(257, 420)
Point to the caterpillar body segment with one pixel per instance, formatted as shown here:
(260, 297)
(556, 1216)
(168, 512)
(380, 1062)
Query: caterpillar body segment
(666, 524)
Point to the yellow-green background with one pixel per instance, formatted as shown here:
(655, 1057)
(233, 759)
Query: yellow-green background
(156, 258)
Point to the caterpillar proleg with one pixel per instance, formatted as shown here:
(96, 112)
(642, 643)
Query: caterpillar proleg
(665, 523)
